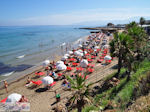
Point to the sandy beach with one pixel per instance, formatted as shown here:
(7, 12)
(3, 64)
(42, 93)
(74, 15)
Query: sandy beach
(43, 101)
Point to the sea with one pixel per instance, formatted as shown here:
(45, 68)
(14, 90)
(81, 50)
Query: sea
(26, 47)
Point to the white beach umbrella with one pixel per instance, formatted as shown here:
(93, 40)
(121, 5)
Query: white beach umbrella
(59, 62)
(77, 53)
(14, 97)
(70, 52)
(85, 52)
(107, 57)
(79, 45)
(66, 55)
(61, 67)
(46, 62)
(80, 54)
(47, 80)
(80, 51)
(106, 46)
(96, 47)
(64, 58)
(84, 63)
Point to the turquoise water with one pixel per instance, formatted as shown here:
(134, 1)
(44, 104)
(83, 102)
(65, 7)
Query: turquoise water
(33, 44)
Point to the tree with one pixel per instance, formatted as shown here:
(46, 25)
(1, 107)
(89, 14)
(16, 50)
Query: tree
(140, 38)
(120, 47)
(142, 21)
(110, 25)
(80, 92)
(130, 25)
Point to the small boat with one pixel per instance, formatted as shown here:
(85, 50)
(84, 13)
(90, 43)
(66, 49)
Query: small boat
(63, 44)
(19, 57)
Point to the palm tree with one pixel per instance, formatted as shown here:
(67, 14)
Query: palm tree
(140, 38)
(120, 47)
(80, 92)
(132, 24)
(142, 21)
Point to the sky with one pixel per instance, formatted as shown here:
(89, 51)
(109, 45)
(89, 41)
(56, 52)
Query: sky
(69, 12)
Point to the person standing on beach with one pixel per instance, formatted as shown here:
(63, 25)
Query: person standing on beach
(6, 86)
(48, 70)
(57, 97)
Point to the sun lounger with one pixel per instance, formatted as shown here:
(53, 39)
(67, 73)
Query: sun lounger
(52, 84)
(39, 82)
(60, 74)
(90, 60)
(72, 59)
(87, 54)
(39, 73)
(90, 70)
(4, 100)
(79, 69)
(107, 61)
(75, 64)
(91, 65)
(103, 55)
(69, 68)
(93, 57)
(98, 50)
(105, 52)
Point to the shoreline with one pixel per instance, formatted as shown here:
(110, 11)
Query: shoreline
(17, 77)
(45, 100)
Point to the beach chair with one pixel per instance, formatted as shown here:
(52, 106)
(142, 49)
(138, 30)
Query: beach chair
(103, 55)
(90, 70)
(91, 65)
(51, 85)
(75, 64)
(60, 74)
(39, 73)
(93, 57)
(105, 52)
(69, 68)
(98, 50)
(105, 49)
(72, 59)
(107, 61)
(4, 100)
(79, 69)
(90, 60)
(87, 54)
(38, 83)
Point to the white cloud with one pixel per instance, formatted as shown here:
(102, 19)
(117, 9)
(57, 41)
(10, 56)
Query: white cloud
(100, 14)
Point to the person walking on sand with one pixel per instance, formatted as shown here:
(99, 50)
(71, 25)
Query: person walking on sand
(6, 86)
(57, 97)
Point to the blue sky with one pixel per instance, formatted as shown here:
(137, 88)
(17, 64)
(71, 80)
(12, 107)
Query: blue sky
(66, 12)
